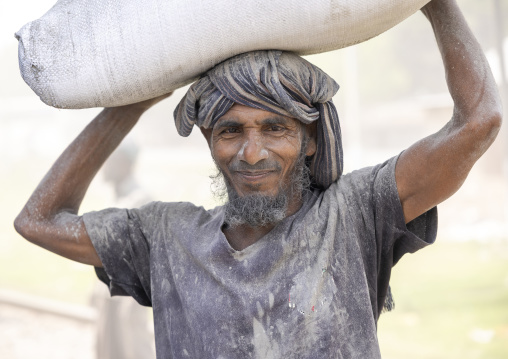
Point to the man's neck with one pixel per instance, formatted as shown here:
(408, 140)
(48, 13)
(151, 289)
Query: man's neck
(242, 236)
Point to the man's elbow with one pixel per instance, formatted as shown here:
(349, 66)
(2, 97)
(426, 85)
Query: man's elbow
(495, 116)
(486, 126)
(30, 227)
(492, 123)
(24, 225)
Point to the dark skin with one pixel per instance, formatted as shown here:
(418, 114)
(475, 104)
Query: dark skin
(269, 146)
(50, 218)
(435, 167)
(426, 173)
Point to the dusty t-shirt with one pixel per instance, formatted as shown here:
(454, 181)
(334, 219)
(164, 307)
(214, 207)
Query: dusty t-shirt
(311, 288)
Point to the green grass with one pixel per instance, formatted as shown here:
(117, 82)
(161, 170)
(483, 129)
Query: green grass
(29, 269)
(25, 267)
(451, 302)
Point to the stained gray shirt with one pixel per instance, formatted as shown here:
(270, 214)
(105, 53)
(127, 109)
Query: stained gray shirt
(311, 288)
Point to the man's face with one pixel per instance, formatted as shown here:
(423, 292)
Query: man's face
(257, 150)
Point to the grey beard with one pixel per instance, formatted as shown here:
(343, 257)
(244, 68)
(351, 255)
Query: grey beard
(257, 210)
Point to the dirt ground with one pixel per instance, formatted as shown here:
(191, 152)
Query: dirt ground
(30, 334)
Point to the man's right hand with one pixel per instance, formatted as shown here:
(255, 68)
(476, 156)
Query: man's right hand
(50, 217)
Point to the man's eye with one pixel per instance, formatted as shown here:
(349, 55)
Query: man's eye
(276, 128)
(231, 130)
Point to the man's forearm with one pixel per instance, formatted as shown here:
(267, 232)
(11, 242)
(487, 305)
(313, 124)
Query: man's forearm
(468, 74)
(64, 186)
(49, 219)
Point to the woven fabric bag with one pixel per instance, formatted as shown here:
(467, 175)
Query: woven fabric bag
(99, 53)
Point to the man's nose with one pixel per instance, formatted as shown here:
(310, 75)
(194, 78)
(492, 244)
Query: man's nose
(253, 150)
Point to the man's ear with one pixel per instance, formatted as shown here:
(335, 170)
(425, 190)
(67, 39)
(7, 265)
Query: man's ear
(207, 132)
(311, 131)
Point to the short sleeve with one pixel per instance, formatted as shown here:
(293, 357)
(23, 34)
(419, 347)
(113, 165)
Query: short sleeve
(377, 217)
(121, 243)
(396, 237)
(393, 236)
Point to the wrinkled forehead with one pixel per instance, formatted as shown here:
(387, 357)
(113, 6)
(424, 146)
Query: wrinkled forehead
(245, 115)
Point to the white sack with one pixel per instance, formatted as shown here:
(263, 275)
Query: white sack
(96, 53)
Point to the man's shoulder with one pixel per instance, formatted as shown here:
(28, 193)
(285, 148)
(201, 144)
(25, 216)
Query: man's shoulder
(366, 175)
(151, 212)
(360, 186)
(174, 208)
(181, 214)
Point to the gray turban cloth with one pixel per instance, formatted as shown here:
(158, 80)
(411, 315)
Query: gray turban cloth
(275, 81)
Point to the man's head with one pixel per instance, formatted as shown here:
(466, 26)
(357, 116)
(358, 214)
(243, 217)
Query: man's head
(261, 159)
(257, 150)
(263, 113)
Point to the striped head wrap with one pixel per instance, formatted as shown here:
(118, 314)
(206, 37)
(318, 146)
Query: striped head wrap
(275, 81)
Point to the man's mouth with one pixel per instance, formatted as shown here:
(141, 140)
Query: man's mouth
(254, 175)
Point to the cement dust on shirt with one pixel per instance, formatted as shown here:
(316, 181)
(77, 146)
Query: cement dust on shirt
(313, 287)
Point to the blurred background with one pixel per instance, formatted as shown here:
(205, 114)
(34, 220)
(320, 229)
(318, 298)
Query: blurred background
(451, 298)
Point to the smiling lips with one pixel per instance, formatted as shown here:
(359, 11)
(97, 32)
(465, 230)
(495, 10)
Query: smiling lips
(254, 175)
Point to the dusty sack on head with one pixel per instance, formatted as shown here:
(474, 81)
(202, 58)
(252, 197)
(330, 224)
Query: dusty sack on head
(100, 53)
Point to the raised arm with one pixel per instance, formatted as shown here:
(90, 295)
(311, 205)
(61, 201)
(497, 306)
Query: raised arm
(50, 217)
(434, 168)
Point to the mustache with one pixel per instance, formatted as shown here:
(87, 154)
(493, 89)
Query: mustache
(259, 166)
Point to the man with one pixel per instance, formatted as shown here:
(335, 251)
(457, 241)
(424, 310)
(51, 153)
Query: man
(284, 269)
